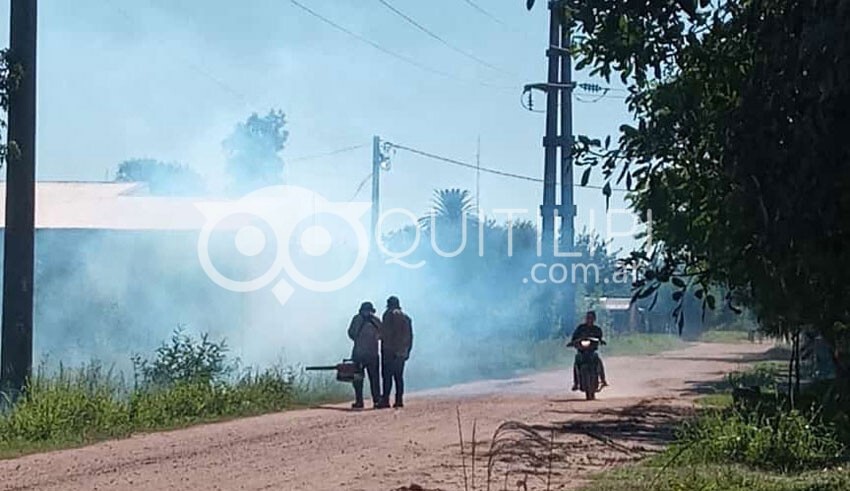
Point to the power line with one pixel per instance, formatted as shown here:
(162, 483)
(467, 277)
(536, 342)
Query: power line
(193, 66)
(304, 158)
(488, 170)
(387, 51)
(440, 39)
(466, 164)
(360, 187)
(484, 12)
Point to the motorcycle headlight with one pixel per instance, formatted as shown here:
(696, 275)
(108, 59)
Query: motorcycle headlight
(585, 343)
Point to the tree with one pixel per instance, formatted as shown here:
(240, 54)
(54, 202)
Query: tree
(163, 178)
(253, 151)
(739, 151)
(450, 205)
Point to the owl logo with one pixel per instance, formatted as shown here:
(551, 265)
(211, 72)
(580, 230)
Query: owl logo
(268, 222)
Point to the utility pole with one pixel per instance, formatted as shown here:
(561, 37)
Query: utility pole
(567, 210)
(558, 137)
(478, 176)
(550, 139)
(19, 235)
(377, 159)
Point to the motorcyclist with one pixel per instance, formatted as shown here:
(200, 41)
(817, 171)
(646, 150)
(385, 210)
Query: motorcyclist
(588, 329)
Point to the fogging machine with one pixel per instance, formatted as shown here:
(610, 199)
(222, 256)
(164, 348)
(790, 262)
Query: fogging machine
(346, 371)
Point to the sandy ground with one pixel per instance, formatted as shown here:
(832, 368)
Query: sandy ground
(557, 438)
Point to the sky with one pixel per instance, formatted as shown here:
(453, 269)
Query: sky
(169, 79)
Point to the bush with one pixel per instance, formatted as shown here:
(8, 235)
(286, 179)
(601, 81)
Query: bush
(70, 405)
(187, 380)
(766, 376)
(784, 441)
(183, 359)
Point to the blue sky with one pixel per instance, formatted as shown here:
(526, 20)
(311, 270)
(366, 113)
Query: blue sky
(168, 79)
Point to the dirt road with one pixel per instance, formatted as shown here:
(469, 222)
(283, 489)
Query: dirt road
(334, 449)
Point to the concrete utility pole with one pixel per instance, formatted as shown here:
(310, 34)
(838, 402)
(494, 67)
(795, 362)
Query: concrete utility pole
(377, 159)
(559, 136)
(19, 238)
(550, 139)
(567, 210)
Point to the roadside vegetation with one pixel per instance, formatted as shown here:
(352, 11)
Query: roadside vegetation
(749, 439)
(725, 337)
(187, 381)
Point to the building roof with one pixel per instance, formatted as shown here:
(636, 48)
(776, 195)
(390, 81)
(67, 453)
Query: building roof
(107, 206)
(616, 303)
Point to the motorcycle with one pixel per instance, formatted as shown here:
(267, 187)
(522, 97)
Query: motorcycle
(588, 365)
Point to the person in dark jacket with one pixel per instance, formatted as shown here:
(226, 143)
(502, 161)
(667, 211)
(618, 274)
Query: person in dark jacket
(584, 331)
(396, 343)
(365, 331)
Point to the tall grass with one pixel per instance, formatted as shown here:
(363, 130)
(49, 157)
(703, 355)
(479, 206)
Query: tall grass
(187, 380)
(787, 441)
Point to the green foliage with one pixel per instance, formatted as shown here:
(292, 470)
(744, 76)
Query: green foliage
(714, 477)
(784, 442)
(747, 445)
(766, 376)
(9, 77)
(737, 150)
(724, 336)
(163, 178)
(187, 380)
(641, 344)
(183, 359)
(253, 151)
(71, 405)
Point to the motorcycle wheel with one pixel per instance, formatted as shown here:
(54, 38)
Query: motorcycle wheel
(590, 382)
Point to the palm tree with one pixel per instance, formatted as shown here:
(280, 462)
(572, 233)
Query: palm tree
(450, 206)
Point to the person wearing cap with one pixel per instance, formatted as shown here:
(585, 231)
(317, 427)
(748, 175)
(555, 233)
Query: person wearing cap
(396, 343)
(365, 331)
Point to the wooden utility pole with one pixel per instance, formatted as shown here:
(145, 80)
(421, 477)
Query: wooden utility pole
(19, 238)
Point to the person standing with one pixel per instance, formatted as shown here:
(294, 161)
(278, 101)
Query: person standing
(396, 343)
(365, 331)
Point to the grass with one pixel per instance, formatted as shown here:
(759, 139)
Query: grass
(752, 444)
(725, 337)
(188, 381)
(651, 476)
(642, 344)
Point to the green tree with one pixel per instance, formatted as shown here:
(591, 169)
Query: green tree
(253, 151)
(450, 205)
(738, 150)
(163, 178)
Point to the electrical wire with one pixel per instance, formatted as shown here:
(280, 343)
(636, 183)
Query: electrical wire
(388, 52)
(484, 12)
(465, 164)
(488, 170)
(440, 39)
(360, 187)
(193, 66)
(304, 158)
(597, 99)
